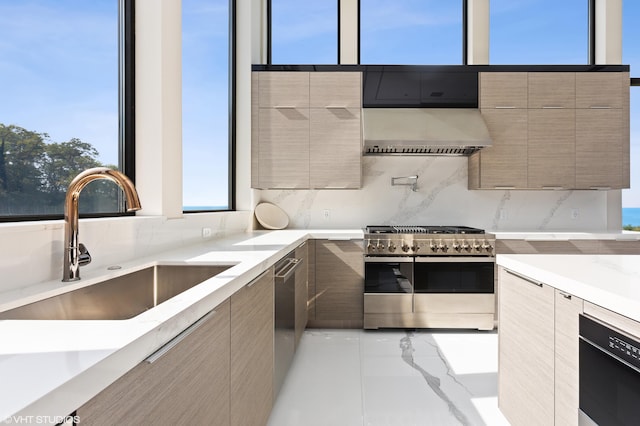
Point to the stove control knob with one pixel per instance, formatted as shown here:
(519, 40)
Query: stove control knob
(415, 248)
(456, 246)
(465, 246)
(475, 245)
(392, 247)
(442, 247)
(379, 246)
(405, 247)
(433, 247)
(370, 246)
(486, 246)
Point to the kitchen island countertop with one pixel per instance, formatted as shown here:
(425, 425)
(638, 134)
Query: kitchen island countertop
(610, 281)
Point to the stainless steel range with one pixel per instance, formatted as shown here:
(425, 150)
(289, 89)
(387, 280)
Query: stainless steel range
(429, 277)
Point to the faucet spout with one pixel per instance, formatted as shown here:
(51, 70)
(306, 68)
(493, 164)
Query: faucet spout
(75, 254)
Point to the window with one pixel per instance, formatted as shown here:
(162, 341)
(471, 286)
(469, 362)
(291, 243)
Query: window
(304, 32)
(631, 56)
(539, 32)
(411, 32)
(60, 109)
(205, 105)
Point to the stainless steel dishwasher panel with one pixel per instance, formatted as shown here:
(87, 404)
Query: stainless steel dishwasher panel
(284, 333)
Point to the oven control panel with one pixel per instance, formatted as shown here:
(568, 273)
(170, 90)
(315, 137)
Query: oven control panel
(610, 341)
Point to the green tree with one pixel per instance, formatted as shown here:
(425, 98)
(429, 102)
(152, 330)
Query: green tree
(22, 152)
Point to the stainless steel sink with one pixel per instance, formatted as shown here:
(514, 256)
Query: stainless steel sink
(118, 298)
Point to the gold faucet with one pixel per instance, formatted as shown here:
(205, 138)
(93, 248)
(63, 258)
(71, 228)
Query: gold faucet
(75, 254)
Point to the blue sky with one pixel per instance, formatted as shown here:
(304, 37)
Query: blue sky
(68, 88)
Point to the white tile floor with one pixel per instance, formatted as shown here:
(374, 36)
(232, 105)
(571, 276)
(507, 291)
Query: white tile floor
(391, 377)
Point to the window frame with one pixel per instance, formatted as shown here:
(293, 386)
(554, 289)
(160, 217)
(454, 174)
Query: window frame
(231, 185)
(126, 112)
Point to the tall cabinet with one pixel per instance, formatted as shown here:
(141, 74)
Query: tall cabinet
(306, 130)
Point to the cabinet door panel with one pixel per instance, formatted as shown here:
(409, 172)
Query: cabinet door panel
(187, 385)
(335, 89)
(568, 308)
(339, 280)
(335, 148)
(284, 148)
(599, 159)
(284, 89)
(552, 90)
(599, 89)
(252, 328)
(503, 90)
(551, 148)
(504, 163)
(526, 351)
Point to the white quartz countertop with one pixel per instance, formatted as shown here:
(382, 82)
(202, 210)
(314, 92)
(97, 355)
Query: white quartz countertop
(565, 235)
(610, 281)
(50, 368)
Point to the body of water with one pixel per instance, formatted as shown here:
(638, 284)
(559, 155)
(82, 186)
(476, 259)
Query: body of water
(631, 216)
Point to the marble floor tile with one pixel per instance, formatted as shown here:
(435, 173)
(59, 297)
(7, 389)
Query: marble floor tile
(391, 377)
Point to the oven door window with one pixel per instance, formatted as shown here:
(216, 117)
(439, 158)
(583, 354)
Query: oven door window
(459, 276)
(388, 276)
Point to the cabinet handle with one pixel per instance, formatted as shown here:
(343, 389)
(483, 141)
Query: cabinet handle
(179, 338)
(285, 107)
(600, 188)
(555, 188)
(599, 107)
(256, 279)
(524, 277)
(552, 107)
(505, 107)
(565, 295)
(504, 187)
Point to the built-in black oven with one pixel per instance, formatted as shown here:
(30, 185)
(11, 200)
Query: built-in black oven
(609, 375)
(454, 274)
(388, 275)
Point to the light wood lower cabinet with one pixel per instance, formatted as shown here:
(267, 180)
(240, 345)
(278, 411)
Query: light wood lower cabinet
(567, 311)
(301, 291)
(252, 328)
(339, 283)
(526, 350)
(189, 384)
(538, 352)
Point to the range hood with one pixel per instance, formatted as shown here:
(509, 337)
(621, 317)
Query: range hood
(424, 131)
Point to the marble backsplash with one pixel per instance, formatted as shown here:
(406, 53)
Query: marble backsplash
(442, 198)
(31, 252)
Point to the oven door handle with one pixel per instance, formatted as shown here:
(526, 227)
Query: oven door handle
(457, 259)
(388, 259)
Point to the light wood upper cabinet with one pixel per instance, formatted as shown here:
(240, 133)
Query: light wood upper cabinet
(283, 90)
(552, 90)
(283, 150)
(566, 374)
(600, 89)
(526, 350)
(189, 384)
(339, 280)
(576, 133)
(335, 160)
(503, 90)
(599, 148)
(307, 131)
(504, 163)
(551, 148)
(335, 89)
(251, 372)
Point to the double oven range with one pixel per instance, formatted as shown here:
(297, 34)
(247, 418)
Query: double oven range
(429, 277)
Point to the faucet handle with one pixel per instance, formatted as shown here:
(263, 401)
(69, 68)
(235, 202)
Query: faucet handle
(84, 257)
